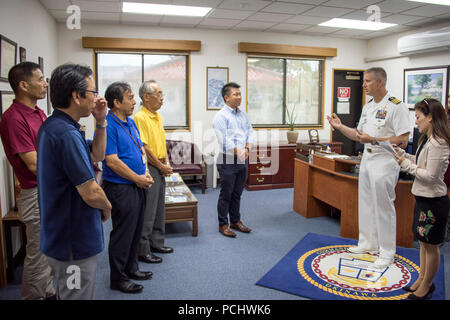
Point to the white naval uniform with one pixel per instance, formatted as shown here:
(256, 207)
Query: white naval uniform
(378, 177)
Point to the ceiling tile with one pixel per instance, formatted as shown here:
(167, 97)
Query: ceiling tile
(329, 12)
(254, 25)
(196, 3)
(377, 34)
(173, 20)
(56, 4)
(219, 22)
(314, 2)
(352, 4)
(289, 27)
(229, 14)
(282, 7)
(98, 6)
(400, 18)
(249, 5)
(97, 17)
(350, 32)
(140, 18)
(362, 15)
(306, 20)
(428, 10)
(396, 6)
(422, 22)
(321, 29)
(270, 17)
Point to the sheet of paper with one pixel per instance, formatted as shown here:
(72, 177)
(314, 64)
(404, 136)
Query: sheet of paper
(343, 108)
(386, 145)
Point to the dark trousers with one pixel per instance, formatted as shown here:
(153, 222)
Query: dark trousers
(232, 181)
(127, 215)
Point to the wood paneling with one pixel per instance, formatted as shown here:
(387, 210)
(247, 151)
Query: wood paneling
(141, 44)
(280, 49)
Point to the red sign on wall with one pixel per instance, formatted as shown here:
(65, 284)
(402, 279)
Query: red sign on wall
(344, 92)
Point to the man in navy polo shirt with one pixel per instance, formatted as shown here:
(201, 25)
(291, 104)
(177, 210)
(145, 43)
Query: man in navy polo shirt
(72, 204)
(125, 180)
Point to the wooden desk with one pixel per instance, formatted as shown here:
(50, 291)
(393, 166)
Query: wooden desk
(317, 188)
(11, 219)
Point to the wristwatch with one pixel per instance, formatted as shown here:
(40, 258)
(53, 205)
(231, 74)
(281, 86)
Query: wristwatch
(374, 141)
(102, 126)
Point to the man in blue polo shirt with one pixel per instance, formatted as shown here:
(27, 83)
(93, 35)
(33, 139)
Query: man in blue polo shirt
(125, 180)
(72, 204)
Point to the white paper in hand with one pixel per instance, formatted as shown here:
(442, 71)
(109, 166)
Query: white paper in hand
(386, 145)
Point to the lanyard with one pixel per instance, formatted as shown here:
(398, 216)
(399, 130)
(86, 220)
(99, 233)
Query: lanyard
(120, 123)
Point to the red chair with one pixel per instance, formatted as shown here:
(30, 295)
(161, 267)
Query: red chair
(186, 159)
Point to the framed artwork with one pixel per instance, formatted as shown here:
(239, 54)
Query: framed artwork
(216, 78)
(41, 64)
(429, 82)
(22, 54)
(8, 56)
(49, 104)
(6, 100)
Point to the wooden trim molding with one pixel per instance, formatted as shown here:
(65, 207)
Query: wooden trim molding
(281, 49)
(141, 44)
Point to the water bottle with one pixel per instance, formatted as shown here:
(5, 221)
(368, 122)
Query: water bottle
(310, 157)
(328, 148)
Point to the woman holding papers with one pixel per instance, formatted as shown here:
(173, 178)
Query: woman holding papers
(432, 203)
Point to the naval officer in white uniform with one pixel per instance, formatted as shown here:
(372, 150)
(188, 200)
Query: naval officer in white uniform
(383, 118)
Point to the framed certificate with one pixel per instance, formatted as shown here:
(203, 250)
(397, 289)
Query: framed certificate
(6, 100)
(8, 56)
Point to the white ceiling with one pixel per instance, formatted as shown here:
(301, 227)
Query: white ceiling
(289, 16)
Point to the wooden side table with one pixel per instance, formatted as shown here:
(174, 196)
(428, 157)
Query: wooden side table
(11, 219)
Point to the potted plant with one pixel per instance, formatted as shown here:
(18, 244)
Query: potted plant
(292, 135)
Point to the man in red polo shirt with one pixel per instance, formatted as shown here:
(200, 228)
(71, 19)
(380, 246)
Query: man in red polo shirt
(19, 126)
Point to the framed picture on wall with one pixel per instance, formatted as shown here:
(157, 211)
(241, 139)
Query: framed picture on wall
(216, 78)
(6, 100)
(22, 54)
(8, 56)
(41, 64)
(429, 82)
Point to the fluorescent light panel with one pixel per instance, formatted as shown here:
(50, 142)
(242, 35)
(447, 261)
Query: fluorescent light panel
(441, 2)
(356, 24)
(164, 9)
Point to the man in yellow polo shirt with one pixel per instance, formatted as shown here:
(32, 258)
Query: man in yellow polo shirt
(153, 136)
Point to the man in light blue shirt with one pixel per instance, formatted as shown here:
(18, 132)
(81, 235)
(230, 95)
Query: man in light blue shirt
(235, 136)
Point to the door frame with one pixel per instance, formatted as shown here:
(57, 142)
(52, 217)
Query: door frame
(332, 93)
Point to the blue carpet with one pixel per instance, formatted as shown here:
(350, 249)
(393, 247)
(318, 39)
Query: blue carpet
(319, 267)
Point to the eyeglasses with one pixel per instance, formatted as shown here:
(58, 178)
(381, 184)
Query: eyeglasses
(95, 93)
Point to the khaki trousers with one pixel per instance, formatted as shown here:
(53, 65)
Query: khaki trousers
(37, 281)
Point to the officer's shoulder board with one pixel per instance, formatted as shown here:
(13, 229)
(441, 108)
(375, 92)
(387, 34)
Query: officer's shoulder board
(394, 100)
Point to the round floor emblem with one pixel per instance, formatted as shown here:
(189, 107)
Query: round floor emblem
(335, 270)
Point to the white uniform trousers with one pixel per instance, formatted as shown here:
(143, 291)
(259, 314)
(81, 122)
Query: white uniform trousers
(378, 177)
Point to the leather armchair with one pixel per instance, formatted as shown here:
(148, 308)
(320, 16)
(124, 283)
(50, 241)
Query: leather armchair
(186, 159)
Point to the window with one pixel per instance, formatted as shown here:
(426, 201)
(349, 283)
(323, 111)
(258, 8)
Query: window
(276, 85)
(170, 71)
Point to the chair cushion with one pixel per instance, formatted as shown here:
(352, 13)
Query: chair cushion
(187, 168)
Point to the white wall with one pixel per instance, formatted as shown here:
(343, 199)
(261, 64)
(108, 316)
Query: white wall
(29, 25)
(219, 48)
(387, 46)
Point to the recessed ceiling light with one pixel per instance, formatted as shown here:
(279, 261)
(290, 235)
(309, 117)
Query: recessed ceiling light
(164, 9)
(356, 24)
(441, 2)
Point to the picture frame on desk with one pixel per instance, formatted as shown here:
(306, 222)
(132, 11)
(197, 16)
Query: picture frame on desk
(216, 78)
(313, 136)
(8, 56)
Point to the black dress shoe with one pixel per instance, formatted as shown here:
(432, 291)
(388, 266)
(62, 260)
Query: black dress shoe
(162, 249)
(150, 258)
(127, 286)
(140, 275)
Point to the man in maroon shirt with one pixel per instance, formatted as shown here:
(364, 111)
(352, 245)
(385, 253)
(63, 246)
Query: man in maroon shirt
(18, 130)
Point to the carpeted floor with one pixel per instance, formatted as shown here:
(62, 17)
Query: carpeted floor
(212, 266)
